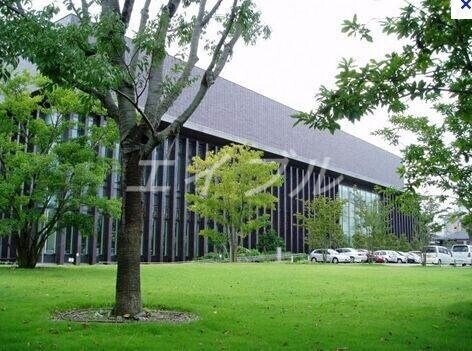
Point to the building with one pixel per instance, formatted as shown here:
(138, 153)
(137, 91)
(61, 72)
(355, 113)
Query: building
(453, 233)
(313, 163)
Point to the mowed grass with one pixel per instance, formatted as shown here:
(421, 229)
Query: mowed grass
(247, 307)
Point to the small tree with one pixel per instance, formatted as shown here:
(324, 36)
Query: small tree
(46, 180)
(373, 225)
(231, 187)
(424, 210)
(321, 221)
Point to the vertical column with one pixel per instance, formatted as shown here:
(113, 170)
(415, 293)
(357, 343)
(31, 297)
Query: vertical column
(160, 198)
(164, 203)
(205, 220)
(196, 217)
(60, 246)
(92, 242)
(290, 210)
(185, 189)
(174, 222)
(286, 209)
(150, 182)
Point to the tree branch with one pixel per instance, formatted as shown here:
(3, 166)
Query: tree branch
(218, 60)
(126, 12)
(142, 26)
(138, 109)
(210, 14)
(158, 56)
(181, 82)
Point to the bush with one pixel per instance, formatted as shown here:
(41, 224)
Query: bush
(269, 241)
(214, 256)
(244, 252)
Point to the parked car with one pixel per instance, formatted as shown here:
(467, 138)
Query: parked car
(438, 255)
(401, 257)
(382, 256)
(462, 254)
(413, 257)
(330, 256)
(356, 255)
(394, 257)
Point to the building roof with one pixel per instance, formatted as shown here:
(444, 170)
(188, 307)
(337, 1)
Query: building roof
(238, 114)
(455, 235)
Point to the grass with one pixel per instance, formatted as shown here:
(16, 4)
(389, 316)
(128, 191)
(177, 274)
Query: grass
(247, 307)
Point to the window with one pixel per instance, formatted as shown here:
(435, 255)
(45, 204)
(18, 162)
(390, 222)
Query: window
(461, 248)
(50, 246)
(349, 220)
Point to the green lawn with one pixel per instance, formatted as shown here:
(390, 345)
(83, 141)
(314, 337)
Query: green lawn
(247, 306)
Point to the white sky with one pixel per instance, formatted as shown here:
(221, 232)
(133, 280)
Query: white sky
(303, 52)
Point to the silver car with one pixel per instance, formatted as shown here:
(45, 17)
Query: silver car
(329, 255)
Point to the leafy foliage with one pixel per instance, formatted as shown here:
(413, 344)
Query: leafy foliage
(373, 227)
(131, 78)
(321, 220)
(434, 65)
(269, 242)
(232, 189)
(47, 181)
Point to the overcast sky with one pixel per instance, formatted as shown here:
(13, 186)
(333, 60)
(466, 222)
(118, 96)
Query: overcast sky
(304, 50)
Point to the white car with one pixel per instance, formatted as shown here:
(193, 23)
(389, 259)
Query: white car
(330, 256)
(438, 255)
(413, 257)
(395, 257)
(402, 257)
(462, 254)
(355, 255)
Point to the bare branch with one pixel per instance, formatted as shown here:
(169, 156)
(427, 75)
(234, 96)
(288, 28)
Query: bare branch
(126, 12)
(142, 25)
(110, 6)
(210, 14)
(184, 77)
(158, 56)
(216, 65)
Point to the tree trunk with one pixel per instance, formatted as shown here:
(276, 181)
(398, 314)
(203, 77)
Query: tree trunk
(128, 280)
(26, 253)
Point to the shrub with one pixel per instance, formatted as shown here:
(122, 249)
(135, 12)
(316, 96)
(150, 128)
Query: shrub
(269, 241)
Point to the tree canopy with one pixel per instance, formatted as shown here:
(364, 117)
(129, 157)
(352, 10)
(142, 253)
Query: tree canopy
(232, 188)
(132, 78)
(321, 221)
(434, 65)
(48, 178)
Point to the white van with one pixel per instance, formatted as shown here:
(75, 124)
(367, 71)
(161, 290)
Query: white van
(438, 255)
(462, 254)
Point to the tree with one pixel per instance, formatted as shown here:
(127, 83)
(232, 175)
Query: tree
(373, 224)
(321, 221)
(129, 78)
(434, 65)
(425, 210)
(232, 187)
(47, 181)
